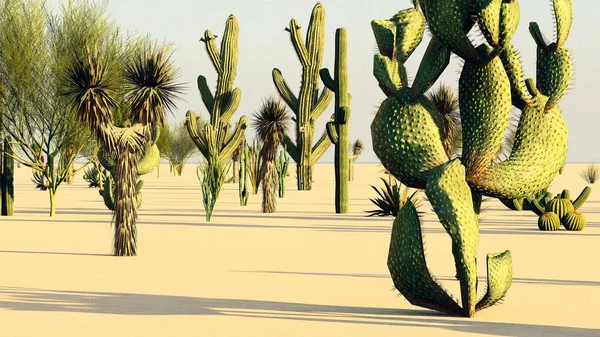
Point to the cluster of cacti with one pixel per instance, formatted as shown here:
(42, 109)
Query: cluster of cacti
(243, 174)
(561, 210)
(309, 104)
(215, 138)
(7, 194)
(281, 166)
(407, 138)
(338, 125)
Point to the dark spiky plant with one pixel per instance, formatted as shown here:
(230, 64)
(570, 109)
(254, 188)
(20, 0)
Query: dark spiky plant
(270, 122)
(446, 102)
(253, 165)
(357, 149)
(391, 198)
(147, 84)
(590, 173)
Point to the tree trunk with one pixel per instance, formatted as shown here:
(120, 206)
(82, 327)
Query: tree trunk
(71, 174)
(52, 195)
(6, 181)
(125, 237)
(269, 204)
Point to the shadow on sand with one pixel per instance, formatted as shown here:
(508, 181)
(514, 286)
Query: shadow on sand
(43, 300)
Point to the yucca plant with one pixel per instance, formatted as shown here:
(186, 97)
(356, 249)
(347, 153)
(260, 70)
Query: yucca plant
(40, 181)
(271, 122)
(147, 86)
(391, 198)
(446, 102)
(91, 176)
(357, 149)
(590, 173)
(254, 162)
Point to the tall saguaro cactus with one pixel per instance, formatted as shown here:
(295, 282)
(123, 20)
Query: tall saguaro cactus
(215, 137)
(407, 138)
(337, 128)
(309, 105)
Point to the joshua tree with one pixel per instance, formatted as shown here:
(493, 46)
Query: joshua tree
(271, 122)
(357, 148)
(150, 89)
(408, 135)
(308, 105)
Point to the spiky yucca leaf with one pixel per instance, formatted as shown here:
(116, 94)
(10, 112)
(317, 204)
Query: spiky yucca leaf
(590, 173)
(391, 199)
(446, 103)
(151, 83)
(92, 176)
(357, 148)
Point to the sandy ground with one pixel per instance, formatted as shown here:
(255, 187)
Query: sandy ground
(303, 271)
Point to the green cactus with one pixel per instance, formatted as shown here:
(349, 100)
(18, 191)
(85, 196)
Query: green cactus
(406, 138)
(281, 166)
(6, 179)
(549, 221)
(573, 221)
(309, 105)
(216, 137)
(243, 174)
(583, 196)
(337, 127)
(560, 206)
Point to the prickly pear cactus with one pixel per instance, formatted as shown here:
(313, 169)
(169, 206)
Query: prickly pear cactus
(407, 139)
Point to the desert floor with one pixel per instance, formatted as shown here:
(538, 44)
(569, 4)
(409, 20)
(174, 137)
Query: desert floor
(303, 271)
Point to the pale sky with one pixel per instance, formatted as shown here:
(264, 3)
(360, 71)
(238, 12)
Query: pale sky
(264, 45)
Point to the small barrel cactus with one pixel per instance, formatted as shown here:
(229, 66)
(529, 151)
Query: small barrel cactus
(560, 206)
(549, 221)
(573, 221)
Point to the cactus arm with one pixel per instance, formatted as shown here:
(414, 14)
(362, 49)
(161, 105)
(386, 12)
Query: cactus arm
(322, 103)
(451, 199)
(331, 132)
(499, 279)
(315, 40)
(563, 15)
(291, 148)
(235, 141)
(514, 69)
(211, 49)
(206, 94)
(328, 81)
(536, 207)
(583, 196)
(298, 42)
(385, 36)
(433, 64)
(231, 104)
(284, 91)
(538, 36)
(192, 127)
(390, 74)
(408, 266)
(410, 28)
(566, 194)
(320, 147)
(488, 18)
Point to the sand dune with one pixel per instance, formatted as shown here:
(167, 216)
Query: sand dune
(303, 271)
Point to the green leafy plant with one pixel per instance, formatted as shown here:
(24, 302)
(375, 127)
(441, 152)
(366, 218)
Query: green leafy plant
(213, 176)
(92, 176)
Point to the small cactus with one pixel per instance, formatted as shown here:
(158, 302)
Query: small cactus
(560, 206)
(573, 221)
(281, 165)
(549, 221)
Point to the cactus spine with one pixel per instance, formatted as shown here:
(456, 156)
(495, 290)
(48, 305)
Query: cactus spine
(216, 138)
(309, 105)
(6, 183)
(337, 127)
(281, 165)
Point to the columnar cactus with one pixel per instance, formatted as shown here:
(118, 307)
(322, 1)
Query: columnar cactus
(309, 105)
(281, 166)
(406, 134)
(6, 179)
(337, 127)
(216, 136)
(243, 174)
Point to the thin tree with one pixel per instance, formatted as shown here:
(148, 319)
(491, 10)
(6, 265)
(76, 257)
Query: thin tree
(176, 146)
(271, 122)
(149, 90)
